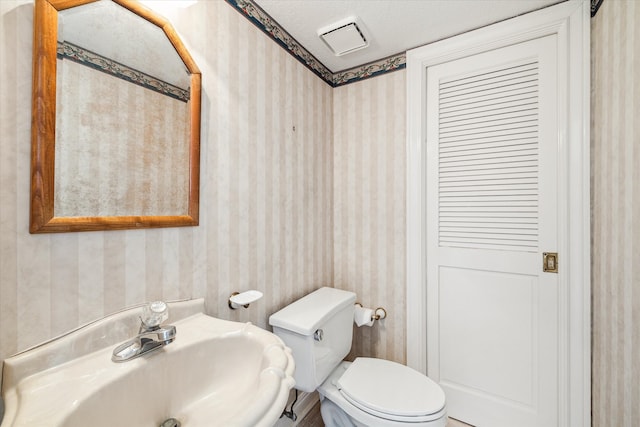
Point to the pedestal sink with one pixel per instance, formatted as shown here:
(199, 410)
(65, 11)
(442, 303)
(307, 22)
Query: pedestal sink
(215, 373)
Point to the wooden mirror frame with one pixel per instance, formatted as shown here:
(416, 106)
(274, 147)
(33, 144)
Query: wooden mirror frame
(43, 128)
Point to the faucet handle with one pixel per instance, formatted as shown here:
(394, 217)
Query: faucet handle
(154, 313)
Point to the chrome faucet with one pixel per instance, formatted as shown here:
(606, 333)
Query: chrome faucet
(151, 336)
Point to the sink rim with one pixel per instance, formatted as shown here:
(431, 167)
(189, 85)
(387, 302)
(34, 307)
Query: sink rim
(110, 330)
(18, 366)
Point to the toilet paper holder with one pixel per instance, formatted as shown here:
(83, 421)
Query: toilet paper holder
(378, 314)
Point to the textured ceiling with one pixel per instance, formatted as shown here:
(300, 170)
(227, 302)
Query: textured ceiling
(391, 26)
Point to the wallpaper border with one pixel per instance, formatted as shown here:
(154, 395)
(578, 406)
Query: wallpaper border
(595, 5)
(98, 62)
(261, 19)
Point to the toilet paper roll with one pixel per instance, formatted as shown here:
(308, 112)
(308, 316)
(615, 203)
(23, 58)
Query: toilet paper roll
(363, 316)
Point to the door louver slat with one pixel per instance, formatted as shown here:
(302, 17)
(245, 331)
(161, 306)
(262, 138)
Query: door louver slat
(488, 159)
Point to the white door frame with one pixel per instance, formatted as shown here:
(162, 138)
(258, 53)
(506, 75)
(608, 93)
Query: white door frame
(570, 22)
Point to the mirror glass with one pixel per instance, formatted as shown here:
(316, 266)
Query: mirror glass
(125, 109)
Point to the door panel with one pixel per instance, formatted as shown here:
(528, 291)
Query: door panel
(492, 142)
(475, 347)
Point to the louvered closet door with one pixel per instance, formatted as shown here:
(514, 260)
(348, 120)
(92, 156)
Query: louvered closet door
(492, 138)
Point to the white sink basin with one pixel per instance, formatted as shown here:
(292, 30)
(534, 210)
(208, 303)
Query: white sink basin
(215, 373)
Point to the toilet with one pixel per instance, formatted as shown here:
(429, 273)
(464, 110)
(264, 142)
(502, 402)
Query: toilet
(367, 392)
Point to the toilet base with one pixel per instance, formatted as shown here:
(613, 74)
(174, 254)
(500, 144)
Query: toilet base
(333, 416)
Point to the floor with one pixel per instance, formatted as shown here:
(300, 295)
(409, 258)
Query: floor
(456, 423)
(313, 419)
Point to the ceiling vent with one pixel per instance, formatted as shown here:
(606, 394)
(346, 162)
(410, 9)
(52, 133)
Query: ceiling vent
(344, 37)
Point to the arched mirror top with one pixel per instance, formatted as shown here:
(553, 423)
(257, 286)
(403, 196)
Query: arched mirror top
(109, 31)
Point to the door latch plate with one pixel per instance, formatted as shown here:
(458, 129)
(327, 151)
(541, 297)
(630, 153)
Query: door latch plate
(550, 262)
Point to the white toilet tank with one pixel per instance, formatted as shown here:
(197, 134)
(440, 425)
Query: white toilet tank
(318, 328)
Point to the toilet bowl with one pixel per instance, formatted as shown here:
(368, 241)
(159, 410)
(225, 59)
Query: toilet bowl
(367, 392)
(380, 393)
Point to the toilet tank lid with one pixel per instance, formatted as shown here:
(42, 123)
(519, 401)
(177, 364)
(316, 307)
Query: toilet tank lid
(307, 314)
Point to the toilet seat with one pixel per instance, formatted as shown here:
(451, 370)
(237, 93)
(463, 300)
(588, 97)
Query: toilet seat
(391, 391)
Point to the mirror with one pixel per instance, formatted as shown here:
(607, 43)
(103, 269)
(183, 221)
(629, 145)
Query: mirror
(115, 138)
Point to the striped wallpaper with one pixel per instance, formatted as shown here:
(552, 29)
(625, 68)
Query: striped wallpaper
(369, 120)
(615, 158)
(266, 186)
